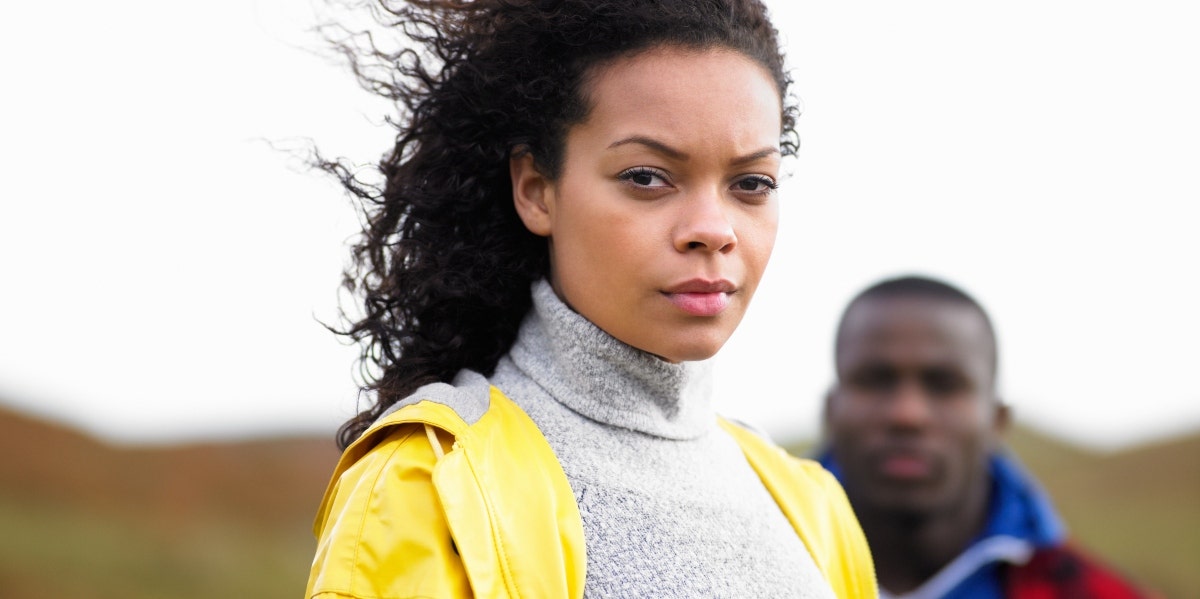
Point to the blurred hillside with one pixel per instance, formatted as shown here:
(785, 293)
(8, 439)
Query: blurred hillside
(83, 519)
(1139, 509)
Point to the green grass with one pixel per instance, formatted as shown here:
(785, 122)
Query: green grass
(58, 551)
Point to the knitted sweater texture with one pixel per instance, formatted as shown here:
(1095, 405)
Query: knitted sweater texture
(670, 506)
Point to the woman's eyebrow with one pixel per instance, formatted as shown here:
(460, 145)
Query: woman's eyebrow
(675, 154)
(758, 155)
(653, 144)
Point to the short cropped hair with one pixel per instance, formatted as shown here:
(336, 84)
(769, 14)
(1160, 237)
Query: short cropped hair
(914, 286)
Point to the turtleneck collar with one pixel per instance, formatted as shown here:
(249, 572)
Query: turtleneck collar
(605, 380)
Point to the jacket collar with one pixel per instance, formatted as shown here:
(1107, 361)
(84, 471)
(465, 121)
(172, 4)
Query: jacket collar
(1019, 507)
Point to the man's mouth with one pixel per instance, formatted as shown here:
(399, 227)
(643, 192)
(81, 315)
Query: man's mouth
(905, 466)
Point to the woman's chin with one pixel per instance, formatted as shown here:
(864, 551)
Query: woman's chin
(689, 352)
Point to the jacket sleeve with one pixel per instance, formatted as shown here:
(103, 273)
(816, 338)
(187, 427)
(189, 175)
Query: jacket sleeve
(381, 531)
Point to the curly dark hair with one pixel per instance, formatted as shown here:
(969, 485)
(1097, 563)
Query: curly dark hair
(444, 265)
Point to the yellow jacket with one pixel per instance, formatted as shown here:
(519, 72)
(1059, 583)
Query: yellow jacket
(500, 520)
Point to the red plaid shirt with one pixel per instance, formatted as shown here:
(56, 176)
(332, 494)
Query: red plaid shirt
(1063, 572)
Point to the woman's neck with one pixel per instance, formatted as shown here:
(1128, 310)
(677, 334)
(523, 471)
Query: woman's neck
(606, 380)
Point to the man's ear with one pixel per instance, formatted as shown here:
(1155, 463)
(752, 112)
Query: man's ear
(828, 403)
(825, 435)
(830, 395)
(1001, 417)
(533, 192)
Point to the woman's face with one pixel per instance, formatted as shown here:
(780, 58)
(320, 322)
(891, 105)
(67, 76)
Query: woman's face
(665, 213)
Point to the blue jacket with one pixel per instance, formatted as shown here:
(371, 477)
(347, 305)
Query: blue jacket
(1021, 521)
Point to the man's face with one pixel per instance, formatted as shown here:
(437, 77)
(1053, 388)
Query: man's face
(912, 419)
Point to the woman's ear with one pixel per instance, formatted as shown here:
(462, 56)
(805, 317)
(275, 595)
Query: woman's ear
(533, 192)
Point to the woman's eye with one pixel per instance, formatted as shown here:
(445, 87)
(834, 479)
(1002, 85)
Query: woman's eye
(644, 177)
(756, 184)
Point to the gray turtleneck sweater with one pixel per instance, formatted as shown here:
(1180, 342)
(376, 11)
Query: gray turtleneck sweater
(670, 506)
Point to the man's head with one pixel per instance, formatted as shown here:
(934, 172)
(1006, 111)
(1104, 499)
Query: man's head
(914, 414)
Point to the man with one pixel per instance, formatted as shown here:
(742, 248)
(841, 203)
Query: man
(913, 431)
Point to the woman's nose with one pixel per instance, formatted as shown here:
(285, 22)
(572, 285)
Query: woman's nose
(704, 224)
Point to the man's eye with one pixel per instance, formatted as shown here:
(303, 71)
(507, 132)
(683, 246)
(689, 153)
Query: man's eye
(874, 379)
(943, 383)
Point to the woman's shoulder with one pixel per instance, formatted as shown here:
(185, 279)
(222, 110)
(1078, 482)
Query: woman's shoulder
(468, 396)
(403, 438)
(381, 519)
(814, 502)
(787, 476)
(759, 447)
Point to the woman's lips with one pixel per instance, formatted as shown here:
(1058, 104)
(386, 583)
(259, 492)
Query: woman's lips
(700, 304)
(701, 297)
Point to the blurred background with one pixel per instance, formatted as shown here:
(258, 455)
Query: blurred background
(168, 393)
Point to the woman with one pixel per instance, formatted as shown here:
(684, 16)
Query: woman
(577, 211)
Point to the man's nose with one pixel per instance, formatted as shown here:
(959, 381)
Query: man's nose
(909, 405)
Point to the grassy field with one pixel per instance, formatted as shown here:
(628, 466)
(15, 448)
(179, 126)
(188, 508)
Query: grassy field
(56, 551)
(1138, 509)
(84, 520)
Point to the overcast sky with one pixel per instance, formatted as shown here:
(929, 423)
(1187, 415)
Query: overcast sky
(165, 266)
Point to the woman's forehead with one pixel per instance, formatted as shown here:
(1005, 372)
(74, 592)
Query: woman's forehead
(674, 94)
